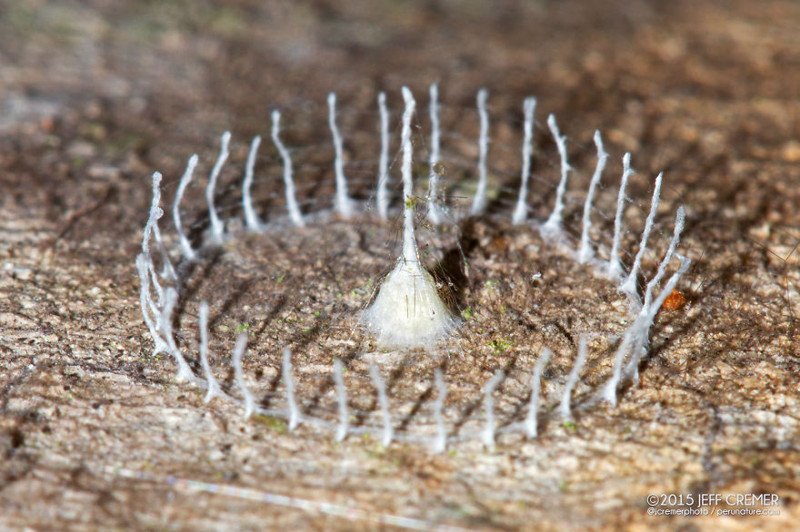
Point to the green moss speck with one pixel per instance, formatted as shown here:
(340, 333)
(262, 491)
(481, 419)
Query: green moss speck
(499, 345)
(272, 423)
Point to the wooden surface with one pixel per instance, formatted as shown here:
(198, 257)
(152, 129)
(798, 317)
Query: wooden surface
(95, 96)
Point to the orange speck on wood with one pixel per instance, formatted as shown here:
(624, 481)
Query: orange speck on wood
(674, 301)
